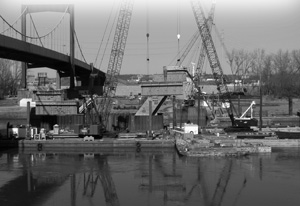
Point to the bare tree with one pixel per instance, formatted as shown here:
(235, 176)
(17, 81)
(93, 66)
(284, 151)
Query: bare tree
(258, 62)
(296, 59)
(284, 83)
(5, 75)
(16, 77)
(241, 64)
(9, 76)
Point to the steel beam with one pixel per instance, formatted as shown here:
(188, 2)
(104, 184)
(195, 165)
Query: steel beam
(163, 89)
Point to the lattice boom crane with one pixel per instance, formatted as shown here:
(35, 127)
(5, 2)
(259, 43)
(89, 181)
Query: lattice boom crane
(116, 58)
(212, 57)
(202, 55)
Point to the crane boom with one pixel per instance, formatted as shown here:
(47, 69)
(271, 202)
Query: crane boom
(229, 56)
(116, 58)
(202, 55)
(212, 57)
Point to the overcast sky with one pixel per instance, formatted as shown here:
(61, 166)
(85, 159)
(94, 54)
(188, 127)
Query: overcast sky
(245, 24)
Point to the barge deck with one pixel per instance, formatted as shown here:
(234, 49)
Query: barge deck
(134, 143)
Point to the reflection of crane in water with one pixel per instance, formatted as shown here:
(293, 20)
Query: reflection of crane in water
(240, 191)
(162, 177)
(106, 180)
(221, 186)
(200, 182)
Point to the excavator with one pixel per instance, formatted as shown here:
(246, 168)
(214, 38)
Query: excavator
(239, 124)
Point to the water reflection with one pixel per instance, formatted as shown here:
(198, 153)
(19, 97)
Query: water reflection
(153, 177)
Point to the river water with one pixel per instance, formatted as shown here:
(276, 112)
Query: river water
(147, 177)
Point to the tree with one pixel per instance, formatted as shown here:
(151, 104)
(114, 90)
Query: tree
(258, 58)
(9, 76)
(266, 74)
(241, 64)
(285, 81)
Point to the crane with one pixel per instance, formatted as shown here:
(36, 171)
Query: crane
(101, 109)
(196, 77)
(115, 60)
(220, 80)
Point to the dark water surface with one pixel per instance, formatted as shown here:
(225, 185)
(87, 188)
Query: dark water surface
(153, 178)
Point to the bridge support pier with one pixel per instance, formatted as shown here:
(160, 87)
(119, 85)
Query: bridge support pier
(58, 82)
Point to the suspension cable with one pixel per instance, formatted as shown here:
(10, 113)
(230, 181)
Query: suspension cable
(79, 47)
(15, 20)
(29, 37)
(36, 30)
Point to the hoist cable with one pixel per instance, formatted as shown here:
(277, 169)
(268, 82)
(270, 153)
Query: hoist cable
(147, 36)
(111, 11)
(112, 27)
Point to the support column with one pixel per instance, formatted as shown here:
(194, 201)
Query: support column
(58, 82)
(174, 112)
(28, 121)
(199, 111)
(72, 47)
(23, 64)
(150, 116)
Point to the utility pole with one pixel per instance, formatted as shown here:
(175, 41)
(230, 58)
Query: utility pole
(260, 104)
(199, 106)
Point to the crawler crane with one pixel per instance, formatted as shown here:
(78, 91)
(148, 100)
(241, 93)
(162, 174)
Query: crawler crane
(102, 108)
(116, 58)
(238, 124)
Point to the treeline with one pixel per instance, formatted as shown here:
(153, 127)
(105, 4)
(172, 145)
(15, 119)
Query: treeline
(279, 73)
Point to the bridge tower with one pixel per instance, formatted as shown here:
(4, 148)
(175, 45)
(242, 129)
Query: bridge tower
(69, 8)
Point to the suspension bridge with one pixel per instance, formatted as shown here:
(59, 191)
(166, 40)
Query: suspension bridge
(47, 50)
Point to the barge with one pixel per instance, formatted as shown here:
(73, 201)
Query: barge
(288, 133)
(187, 148)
